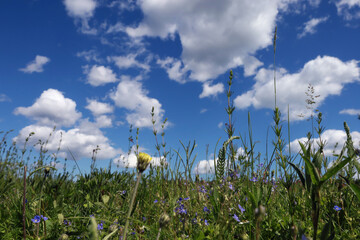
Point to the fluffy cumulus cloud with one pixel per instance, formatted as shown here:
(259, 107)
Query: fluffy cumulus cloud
(211, 90)
(99, 108)
(335, 140)
(310, 26)
(350, 111)
(51, 109)
(215, 35)
(205, 167)
(349, 9)
(80, 141)
(100, 75)
(82, 11)
(36, 65)
(80, 8)
(326, 74)
(131, 95)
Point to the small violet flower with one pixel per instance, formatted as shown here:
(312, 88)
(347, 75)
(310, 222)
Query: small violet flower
(236, 218)
(337, 208)
(241, 208)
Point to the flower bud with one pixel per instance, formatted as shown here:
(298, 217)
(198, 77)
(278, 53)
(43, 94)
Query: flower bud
(143, 161)
(259, 213)
(164, 220)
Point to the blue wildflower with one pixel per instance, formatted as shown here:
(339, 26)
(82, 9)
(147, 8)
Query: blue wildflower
(206, 222)
(155, 201)
(254, 179)
(100, 226)
(231, 187)
(36, 219)
(236, 218)
(241, 208)
(205, 209)
(337, 208)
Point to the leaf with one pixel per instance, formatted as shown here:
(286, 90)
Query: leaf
(252, 199)
(315, 178)
(110, 234)
(334, 169)
(300, 174)
(355, 188)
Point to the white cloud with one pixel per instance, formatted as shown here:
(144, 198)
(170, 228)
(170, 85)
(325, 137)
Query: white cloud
(131, 95)
(310, 26)
(36, 65)
(129, 61)
(4, 98)
(346, 8)
(204, 167)
(81, 141)
(211, 90)
(220, 124)
(174, 68)
(80, 8)
(50, 109)
(103, 121)
(204, 110)
(350, 111)
(327, 75)
(215, 35)
(335, 140)
(99, 108)
(90, 55)
(82, 11)
(100, 75)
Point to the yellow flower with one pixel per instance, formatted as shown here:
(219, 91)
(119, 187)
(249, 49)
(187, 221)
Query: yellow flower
(143, 161)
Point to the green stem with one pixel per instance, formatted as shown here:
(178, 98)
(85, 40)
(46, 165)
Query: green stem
(131, 204)
(158, 236)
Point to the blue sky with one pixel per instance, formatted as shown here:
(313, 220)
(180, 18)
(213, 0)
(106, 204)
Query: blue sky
(92, 68)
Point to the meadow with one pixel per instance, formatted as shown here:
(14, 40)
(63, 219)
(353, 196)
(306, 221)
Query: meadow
(283, 196)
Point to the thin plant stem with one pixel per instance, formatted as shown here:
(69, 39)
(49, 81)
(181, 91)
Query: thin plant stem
(24, 204)
(131, 204)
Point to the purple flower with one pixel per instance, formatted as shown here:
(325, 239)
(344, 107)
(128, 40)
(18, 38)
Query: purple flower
(337, 208)
(100, 226)
(205, 209)
(155, 201)
(241, 208)
(36, 219)
(206, 222)
(186, 198)
(254, 179)
(231, 187)
(45, 218)
(236, 218)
